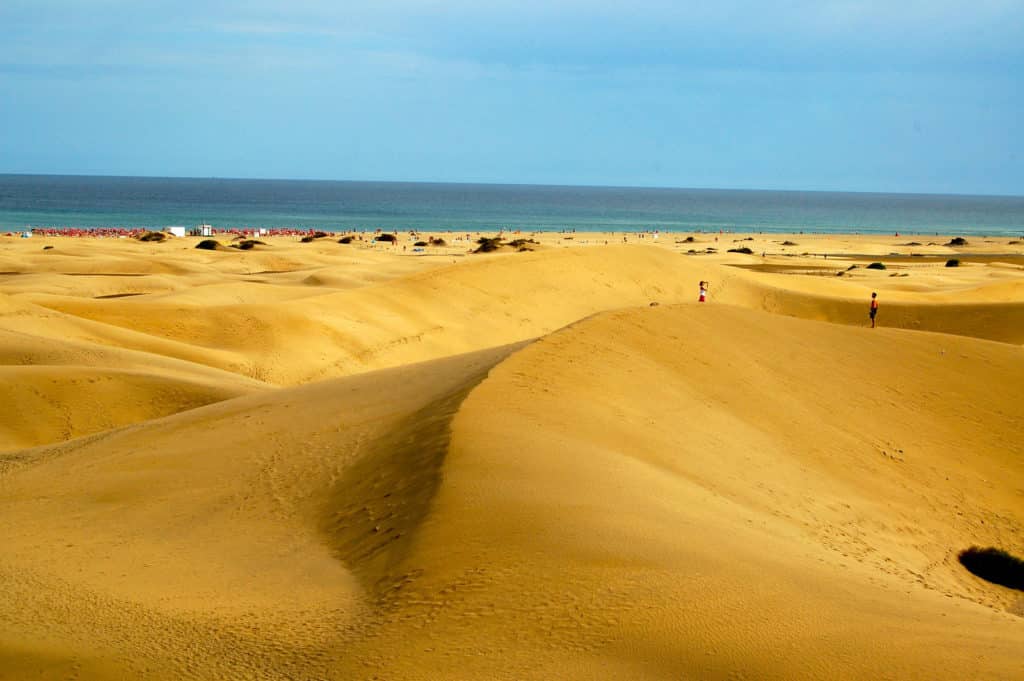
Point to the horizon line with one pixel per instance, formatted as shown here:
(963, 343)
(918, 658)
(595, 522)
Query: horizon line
(508, 184)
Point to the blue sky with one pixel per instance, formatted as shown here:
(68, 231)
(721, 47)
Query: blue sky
(862, 96)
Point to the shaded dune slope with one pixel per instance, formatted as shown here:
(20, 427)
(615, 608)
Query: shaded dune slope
(242, 538)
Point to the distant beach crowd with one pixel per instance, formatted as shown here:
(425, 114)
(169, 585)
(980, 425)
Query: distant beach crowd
(134, 232)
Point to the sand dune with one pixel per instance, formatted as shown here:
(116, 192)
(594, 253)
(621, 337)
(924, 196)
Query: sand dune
(994, 311)
(326, 462)
(445, 310)
(46, 404)
(209, 544)
(717, 490)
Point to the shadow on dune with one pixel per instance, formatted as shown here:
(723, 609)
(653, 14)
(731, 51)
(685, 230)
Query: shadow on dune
(18, 662)
(995, 566)
(373, 512)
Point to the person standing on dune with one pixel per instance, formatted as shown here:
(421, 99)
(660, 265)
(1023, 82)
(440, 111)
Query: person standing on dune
(874, 308)
(703, 291)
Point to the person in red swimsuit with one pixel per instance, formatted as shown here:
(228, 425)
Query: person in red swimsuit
(703, 291)
(874, 308)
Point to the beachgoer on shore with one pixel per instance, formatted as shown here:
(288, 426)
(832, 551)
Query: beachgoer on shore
(703, 291)
(874, 308)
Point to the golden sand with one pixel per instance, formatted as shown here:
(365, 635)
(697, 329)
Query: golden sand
(326, 461)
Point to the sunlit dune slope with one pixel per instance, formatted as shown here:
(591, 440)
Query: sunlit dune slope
(431, 314)
(95, 267)
(271, 331)
(276, 327)
(33, 334)
(44, 404)
(62, 377)
(719, 493)
(993, 311)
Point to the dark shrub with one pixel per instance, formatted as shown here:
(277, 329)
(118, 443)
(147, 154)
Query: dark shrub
(957, 241)
(153, 236)
(345, 240)
(247, 244)
(953, 262)
(876, 266)
(438, 241)
(208, 245)
(389, 238)
(789, 243)
(688, 240)
(520, 243)
(912, 243)
(1012, 243)
(46, 248)
(319, 235)
(488, 244)
(308, 239)
(744, 250)
(420, 243)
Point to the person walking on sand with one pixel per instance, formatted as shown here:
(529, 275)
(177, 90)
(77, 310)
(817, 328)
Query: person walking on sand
(703, 291)
(874, 308)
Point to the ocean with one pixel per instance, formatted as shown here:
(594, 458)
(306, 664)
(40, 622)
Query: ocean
(88, 202)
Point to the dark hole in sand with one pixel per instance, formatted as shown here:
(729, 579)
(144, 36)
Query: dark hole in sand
(994, 565)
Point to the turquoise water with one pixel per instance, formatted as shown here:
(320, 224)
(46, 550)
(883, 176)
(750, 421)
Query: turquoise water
(88, 202)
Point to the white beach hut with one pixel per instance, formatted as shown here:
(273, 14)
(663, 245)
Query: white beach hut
(176, 231)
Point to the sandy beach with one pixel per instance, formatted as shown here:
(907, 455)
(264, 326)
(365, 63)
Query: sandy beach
(380, 460)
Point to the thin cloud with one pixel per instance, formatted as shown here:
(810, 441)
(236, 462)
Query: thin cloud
(527, 34)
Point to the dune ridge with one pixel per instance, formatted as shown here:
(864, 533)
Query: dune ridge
(259, 512)
(782, 519)
(993, 312)
(108, 398)
(507, 466)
